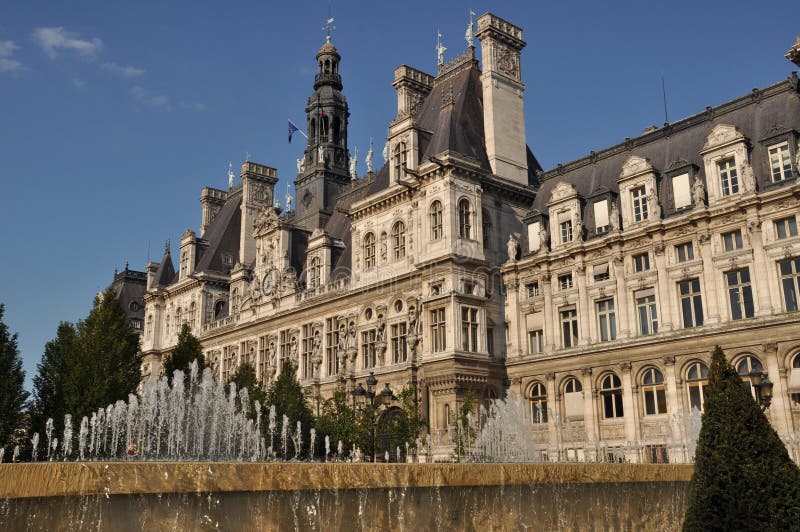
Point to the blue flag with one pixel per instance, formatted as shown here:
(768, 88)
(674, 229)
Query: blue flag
(292, 129)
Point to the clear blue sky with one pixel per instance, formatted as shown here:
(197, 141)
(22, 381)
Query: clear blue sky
(113, 115)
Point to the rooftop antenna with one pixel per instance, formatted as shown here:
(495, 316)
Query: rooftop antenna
(664, 93)
(329, 27)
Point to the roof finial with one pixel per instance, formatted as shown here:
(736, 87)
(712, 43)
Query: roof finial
(470, 35)
(440, 49)
(329, 27)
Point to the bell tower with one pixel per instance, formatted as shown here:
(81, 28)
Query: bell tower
(324, 172)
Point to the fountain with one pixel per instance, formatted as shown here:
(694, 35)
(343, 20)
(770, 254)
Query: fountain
(187, 456)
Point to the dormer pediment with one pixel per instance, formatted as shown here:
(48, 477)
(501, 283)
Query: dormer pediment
(562, 192)
(634, 167)
(722, 135)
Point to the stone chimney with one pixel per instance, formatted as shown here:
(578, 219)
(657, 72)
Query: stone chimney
(258, 191)
(412, 87)
(503, 109)
(212, 200)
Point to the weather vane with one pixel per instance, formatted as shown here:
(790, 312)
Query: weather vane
(329, 27)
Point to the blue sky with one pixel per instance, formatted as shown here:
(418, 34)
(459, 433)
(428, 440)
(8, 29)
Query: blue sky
(113, 115)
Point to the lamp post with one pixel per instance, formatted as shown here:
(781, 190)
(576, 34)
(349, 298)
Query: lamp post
(371, 402)
(763, 388)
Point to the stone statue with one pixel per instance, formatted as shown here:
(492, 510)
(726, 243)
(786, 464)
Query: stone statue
(293, 349)
(300, 165)
(353, 165)
(748, 177)
(440, 50)
(513, 246)
(613, 217)
(288, 200)
(385, 152)
(380, 335)
(412, 319)
(368, 159)
(469, 36)
(655, 207)
(698, 192)
(577, 233)
(230, 175)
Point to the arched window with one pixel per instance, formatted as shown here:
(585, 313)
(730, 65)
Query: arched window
(572, 385)
(323, 129)
(747, 365)
(486, 221)
(399, 240)
(611, 391)
(436, 220)
(696, 382)
(369, 250)
(794, 381)
(538, 400)
(655, 395)
(191, 313)
(446, 415)
(178, 312)
(312, 128)
(464, 219)
(336, 126)
(235, 301)
(313, 273)
(399, 157)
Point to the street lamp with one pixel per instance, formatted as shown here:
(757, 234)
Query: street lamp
(370, 402)
(763, 388)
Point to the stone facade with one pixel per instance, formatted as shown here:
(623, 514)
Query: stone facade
(595, 289)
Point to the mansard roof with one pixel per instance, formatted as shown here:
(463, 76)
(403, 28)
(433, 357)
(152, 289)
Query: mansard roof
(222, 235)
(165, 274)
(757, 115)
(130, 286)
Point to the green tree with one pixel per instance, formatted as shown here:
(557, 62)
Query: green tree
(245, 377)
(186, 351)
(743, 478)
(49, 381)
(105, 365)
(286, 395)
(339, 421)
(404, 423)
(12, 379)
(464, 430)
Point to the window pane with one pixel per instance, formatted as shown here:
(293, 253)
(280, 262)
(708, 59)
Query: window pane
(649, 403)
(661, 399)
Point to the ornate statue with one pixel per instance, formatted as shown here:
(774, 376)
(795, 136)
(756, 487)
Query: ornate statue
(368, 159)
(613, 217)
(353, 165)
(230, 175)
(440, 49)
(577, 233)
(698, 192)
(470, 36)
(293, 349)
(655, 207)
(412, 319)
(288, 200)
(513, 246)
(300, 165)
(380, 335)
(748, 177)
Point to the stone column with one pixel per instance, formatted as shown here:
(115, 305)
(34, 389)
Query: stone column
(553, 413)
(673, 406)
(584, 313)
(550, 335)
(622, 297)
(627, 405)
(665, 323)
(760, 276)
(779, 411)
(709, 275)
(518, 330)
(589, 404)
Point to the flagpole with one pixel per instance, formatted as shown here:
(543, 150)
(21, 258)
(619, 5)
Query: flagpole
(298, 129)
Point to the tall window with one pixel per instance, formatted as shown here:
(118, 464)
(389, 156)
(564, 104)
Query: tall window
(486, 222)
(794, 381)
(436, 220)
(728, 177)
(535, 341)
(399, 240)
(691, 302)
(538, 400)
(314, 271)
(400, 160)
(611, 391)
(399, 346)
(305, 356)
(369, 250)
(332, 346)
(469, 329)
(641, 262)
(740, 293)
(285, 345)
(640, 207)
(790, 281)
(786, 227)
(697, 382)
(780, 162)
(464, 219)
(732, 240)
(646, 311)
(438, 330)
(368, 348)
(566, 231)
(747, 365)
(685, 252)
(569, 327)
(655, 395)
(607, 321)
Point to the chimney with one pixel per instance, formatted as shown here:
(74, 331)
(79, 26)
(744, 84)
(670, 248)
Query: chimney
(212, 200)
(412, 87)
(258, 191)
(503, 109)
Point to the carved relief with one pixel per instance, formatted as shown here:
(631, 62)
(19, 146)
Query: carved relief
(563, 190)
(507, 61)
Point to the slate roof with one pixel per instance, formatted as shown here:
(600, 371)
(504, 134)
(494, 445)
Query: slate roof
(165, 274)
(756, 115)
(222, 235)
(130, 286)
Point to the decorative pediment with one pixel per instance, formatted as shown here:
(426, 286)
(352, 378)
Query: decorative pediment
(267, 220)
(634, 166)
(563, 191)
(721, 135)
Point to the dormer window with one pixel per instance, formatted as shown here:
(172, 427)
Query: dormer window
(639, 201)
(400, 161)
(601, 223)
(566, 231)
(227, 259)
(780, 162)
(314, 271)
(728, 176)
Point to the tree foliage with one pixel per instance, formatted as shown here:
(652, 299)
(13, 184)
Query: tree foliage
(404, 422)
(186, 351)
(49, 398)
(105, 365)
(245, 377)
(12, 379)
(287, 396)
(744, 478)
(339, 421)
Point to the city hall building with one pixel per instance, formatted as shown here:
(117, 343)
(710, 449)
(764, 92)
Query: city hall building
(595, 290)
